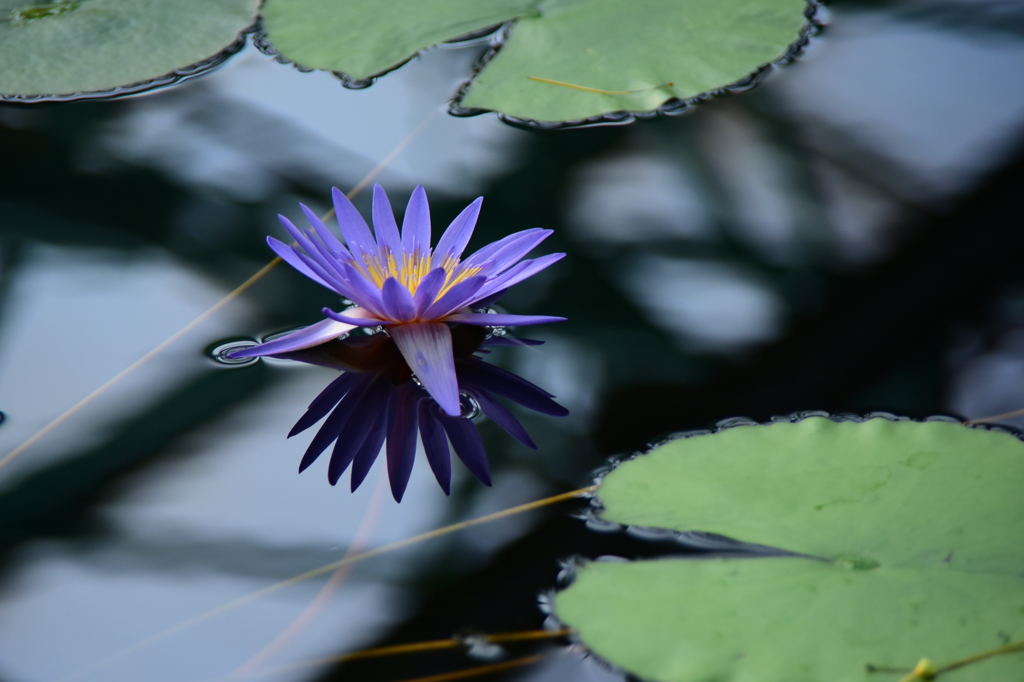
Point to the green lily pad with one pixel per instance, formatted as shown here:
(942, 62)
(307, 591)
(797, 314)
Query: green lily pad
(79, 48)
(913, 542)
(559, 60)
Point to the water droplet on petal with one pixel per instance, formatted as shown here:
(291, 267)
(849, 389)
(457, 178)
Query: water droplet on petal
(470, 407)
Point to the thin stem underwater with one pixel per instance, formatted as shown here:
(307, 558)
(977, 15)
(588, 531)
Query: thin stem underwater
(355, 558)
(216, 307)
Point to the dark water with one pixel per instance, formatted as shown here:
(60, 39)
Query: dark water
(843, 237)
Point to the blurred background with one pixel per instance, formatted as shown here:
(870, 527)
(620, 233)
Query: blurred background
(845, 237)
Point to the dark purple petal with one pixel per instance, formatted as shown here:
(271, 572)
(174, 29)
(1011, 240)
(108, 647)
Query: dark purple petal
(510, 341)
(453, 241)
(384, 224)
(494, 320)
(428, 289)
(416, 224)
(313, 335)
(507, 252)
(368, 451)
(353, 228)
(477, 374)
(336, 422)
(524, 270)
(396, 301)
(326, 236)
(364, 292)
(324, 402)
(364, 418)
(456, 297)
(498, 413)
(427, 349)
(349, 319)
(289, 256)
(402, 439)
(468, 446)
(435, 444)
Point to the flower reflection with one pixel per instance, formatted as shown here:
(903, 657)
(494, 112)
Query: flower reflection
(396, 280)
(377, 399)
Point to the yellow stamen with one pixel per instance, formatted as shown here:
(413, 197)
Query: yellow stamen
(412, 269)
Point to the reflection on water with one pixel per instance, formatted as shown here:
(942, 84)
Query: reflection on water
(716, 267)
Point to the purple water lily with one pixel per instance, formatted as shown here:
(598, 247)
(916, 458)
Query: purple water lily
(396, 280)
(376, 399)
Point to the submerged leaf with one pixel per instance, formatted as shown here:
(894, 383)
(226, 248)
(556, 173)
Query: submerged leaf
(71, 49)
(913, 535)
(561, 60)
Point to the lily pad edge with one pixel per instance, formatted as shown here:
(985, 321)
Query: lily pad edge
(718, 546)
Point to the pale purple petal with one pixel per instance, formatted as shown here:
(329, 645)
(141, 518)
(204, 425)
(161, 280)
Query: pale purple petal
(313, 335)
(524, 270)
(496, 320)
(397, 302)
(353, 228)
(435, 444)
(427, 349)
(326, 236)
(457, 297)
(469, 447)
(453, 241)
(355, 321)
(505, 253)
(308, 247)
(364, 292)
(416, 224)
(289, 256)
(336, 281)
(384, 223)
(429, 288)
(402, 439)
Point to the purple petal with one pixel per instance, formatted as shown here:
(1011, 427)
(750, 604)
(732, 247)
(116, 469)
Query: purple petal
(288, 255)
(355, 321)
(476, 374)
(453, 241)
(428, 289)
(313, 335)
(336, 422)
(456, 297)
(506, 252)
(416, 224)
(364, 292)
(322, 262)
(396, 301)
(427, 349)
(493, 320)
(468, 446)
(324, 402)
(368, 451)
(326, 236)
(503, 418)
(353, 228)
(384, 223)
(371, 409)
(524, 270)
(402, 439)
(435, 444)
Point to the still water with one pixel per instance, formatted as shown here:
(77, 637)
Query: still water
(709, 256)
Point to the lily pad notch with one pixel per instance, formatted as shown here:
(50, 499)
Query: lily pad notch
(905, 542)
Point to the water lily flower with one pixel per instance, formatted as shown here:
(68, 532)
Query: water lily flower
(376, 399)
(397, 281)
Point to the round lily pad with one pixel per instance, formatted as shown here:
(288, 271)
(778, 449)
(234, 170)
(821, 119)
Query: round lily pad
(71, 49)
(909, 543)
(558, 61)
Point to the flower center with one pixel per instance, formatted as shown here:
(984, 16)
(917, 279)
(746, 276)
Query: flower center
(412, 268)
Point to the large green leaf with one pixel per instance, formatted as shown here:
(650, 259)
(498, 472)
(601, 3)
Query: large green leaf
(916, 537)
(665, 50)
(76, 47)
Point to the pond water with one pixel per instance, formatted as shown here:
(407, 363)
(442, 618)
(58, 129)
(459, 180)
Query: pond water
(815, 243)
